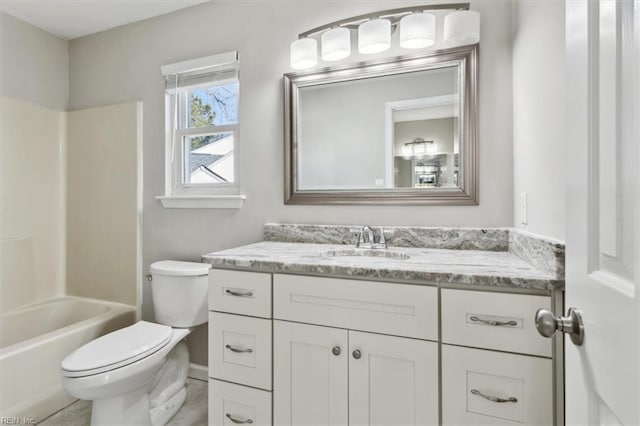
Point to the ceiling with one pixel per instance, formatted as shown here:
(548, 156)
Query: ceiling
(74, 18)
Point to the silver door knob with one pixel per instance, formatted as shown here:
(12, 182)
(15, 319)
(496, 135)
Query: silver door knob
(336, 350)
(357, 354)
(547, 324)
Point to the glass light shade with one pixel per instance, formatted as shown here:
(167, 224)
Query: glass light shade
(417, 30)
(419, 148)
(336, 44)
(462, 27)
(374, 36)
(304, 53)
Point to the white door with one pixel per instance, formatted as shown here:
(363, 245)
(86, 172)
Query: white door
(603, 210)
(392, 380)
(310, 375)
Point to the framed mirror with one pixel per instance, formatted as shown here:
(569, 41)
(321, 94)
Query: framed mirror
(395, 131)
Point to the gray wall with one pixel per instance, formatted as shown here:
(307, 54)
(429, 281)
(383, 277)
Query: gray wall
(34, 65)
(538, 116)
(123, 65)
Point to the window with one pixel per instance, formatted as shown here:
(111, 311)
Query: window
(202, 132)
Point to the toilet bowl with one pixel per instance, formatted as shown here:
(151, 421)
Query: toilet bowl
(136, 375)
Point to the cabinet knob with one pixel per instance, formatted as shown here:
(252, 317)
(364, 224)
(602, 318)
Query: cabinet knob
(336, 350)
(357, 354)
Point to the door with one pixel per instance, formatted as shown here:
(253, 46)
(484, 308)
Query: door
(603, 210)
(392, 380)
(310, 375)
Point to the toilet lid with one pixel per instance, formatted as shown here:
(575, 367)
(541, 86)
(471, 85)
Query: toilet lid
(117, 349)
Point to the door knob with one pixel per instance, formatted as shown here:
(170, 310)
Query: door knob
(357, 354)
(547, 324)
(336, 350)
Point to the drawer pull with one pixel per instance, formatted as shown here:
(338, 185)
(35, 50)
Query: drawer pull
(238, 350)
(237, 420)
(493, 398)
(492, 322)
(239, 293)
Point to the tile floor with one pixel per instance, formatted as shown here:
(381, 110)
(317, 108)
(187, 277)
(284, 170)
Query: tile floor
(192, 413)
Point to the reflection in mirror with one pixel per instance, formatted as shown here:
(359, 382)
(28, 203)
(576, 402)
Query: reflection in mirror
(402, 135)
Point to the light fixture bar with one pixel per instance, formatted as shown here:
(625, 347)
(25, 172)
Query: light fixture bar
(391, 13)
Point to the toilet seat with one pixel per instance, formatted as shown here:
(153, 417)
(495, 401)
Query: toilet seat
(117, 349)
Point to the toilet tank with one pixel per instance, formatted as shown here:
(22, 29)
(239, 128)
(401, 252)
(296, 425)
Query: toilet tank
(180, 292)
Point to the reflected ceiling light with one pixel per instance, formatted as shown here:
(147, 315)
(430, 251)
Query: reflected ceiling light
(374, 36)
(304, 53)
(417, 30)
(462, 27)
(336, 44)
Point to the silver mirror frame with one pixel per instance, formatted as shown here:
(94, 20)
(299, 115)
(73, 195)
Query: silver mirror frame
(467, 194)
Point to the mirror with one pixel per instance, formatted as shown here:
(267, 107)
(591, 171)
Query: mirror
(399, 131)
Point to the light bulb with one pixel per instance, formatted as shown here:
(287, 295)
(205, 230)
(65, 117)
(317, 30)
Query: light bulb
(374, 36)
(304, 53)
(417, 31)
(461, 28)
(336, 44)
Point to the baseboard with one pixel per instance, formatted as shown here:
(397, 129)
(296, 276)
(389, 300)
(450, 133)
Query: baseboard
(198, 372)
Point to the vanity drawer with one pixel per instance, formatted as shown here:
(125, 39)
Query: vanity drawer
(385, 308)
(471, 377)
(494, 321)
(231, 404)
(240, 349)
(239, 292)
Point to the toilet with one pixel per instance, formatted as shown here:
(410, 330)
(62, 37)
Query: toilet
(136, 375)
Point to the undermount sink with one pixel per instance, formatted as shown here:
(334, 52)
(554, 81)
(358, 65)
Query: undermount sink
(386, 254)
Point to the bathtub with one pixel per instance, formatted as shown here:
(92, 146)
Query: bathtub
(34, 340)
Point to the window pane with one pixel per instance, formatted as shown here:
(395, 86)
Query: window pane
(208, 159)
(215, 105)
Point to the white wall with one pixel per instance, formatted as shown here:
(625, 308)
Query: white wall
(34, 65)
(31, 203)
(123, 65)
(538, 116)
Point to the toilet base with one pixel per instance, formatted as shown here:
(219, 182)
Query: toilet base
(152, 404)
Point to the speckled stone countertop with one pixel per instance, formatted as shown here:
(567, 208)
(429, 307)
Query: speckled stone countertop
(422, 265)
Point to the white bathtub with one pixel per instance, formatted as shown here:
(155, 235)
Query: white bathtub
(33, 341)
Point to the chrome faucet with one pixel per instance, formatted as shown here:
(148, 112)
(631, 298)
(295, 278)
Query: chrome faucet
(367, 239)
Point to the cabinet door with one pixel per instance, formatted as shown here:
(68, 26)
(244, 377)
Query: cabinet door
(310, 375)
(392, 380)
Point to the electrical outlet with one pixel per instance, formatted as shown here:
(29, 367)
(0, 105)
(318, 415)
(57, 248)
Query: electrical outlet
(523, 208)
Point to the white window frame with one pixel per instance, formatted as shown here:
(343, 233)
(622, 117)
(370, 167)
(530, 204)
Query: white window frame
(199, 195)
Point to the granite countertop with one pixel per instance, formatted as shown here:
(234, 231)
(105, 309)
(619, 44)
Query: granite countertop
(422, 265)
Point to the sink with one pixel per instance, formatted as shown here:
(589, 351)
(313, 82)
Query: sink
(386, 254)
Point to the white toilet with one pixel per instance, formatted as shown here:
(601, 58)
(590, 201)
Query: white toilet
(136, 375)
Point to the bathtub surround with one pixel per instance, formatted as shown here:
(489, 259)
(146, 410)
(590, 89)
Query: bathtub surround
(32, 190)
(104, 202)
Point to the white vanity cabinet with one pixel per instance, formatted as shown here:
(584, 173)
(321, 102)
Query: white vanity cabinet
(306, 350)
(353, 375)
(496, 368)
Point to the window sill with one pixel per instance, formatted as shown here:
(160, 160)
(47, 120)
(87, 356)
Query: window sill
(201, 201)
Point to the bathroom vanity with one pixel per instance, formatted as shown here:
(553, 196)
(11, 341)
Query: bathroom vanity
(437, 329)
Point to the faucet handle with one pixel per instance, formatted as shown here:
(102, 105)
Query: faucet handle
(383, 236)
(358, 232)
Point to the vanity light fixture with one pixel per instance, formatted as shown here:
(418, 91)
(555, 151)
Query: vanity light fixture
(336, 44)
(417, 30)
(374, 36)
(304, 53)
(462, 27)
